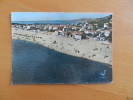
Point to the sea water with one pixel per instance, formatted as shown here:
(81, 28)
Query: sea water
(36, 64)
(47, 22)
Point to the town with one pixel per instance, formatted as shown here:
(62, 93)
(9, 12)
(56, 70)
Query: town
(89, 38)
(81, 30)
(61, 47)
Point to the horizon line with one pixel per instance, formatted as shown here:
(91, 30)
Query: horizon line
(61, 19)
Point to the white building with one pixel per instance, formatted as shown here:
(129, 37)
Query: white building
(77, 36)
(105, 25)
(86, 32)
(50, 27)
(107, 33)
(58, 32)
(82, 29)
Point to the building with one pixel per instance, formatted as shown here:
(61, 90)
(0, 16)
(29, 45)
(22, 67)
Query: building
(77, 35)
(58, 32)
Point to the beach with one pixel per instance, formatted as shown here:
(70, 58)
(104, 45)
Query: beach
(91, 49)
(33, 63)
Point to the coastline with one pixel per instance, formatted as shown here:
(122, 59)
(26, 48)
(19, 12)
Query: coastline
(90, 49)
(47, 66)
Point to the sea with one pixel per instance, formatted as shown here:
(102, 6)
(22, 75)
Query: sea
(36, 64)
(47, 22)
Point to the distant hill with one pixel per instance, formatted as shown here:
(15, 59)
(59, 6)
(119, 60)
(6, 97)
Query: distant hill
(85, 19)
(101, 21)
(107, 18)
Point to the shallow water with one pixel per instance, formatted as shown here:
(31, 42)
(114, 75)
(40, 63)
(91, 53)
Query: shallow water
(35, 64)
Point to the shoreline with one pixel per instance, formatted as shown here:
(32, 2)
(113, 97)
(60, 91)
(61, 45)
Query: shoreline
(100, 51)
(43, 65)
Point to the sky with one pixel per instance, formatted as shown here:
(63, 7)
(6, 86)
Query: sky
(43, 16)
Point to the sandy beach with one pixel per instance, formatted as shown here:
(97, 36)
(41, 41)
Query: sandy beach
(87, 48)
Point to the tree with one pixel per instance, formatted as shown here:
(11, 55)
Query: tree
(110, 38)
(84, 36)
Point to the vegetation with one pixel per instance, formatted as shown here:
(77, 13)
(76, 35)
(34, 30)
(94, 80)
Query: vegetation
(84, 36)
(100, 21)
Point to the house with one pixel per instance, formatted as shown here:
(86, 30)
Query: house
(73, 28)
(107, 33)
(77, 35)
(90, 26)
(92, 32)
(86, 31)
(82, 29)
(68, 34)
(30, 27)
(55, 27)
(46, 27)
(50, 27)
(106, 25)
(58, 32)
(60, 27)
